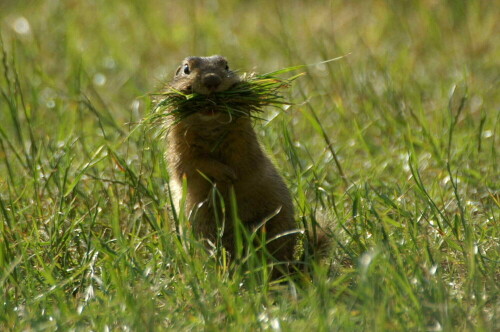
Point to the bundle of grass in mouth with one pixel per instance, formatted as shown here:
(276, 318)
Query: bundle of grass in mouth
(245, 98)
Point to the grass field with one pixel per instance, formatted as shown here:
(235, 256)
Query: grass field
(411, 114)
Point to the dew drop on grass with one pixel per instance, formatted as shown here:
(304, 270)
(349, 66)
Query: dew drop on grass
(263, 317)
(275, 324)
(134, 105)
(48, 97)
(99, 79)
(50, 103)
(487, 134)
(367, 258)
(21, 25)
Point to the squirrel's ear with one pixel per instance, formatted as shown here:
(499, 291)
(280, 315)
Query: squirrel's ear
(177, 71)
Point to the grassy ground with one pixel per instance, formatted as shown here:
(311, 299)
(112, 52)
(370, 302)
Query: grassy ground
(412, 115)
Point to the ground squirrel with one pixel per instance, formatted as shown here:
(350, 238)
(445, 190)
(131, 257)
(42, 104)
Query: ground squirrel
(216, 149)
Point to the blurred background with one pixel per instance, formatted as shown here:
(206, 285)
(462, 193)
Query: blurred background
(400, 53)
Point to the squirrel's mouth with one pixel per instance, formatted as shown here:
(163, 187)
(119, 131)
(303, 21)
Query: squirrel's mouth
(209, 112)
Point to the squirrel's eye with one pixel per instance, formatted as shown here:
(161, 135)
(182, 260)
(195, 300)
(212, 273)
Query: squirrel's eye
(227, 67)
(186, 69)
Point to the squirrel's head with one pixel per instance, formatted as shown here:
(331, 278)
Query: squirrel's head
(204, 75)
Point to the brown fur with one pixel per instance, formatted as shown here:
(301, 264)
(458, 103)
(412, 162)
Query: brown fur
(225, 150)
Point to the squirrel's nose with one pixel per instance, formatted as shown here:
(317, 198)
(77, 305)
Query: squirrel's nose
(212, 81)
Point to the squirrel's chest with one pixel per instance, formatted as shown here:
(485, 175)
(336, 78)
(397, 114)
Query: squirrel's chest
(234, 143)
(218, 143)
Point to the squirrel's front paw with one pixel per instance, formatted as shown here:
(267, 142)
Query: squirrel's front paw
(225, 174)
(221, 173)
